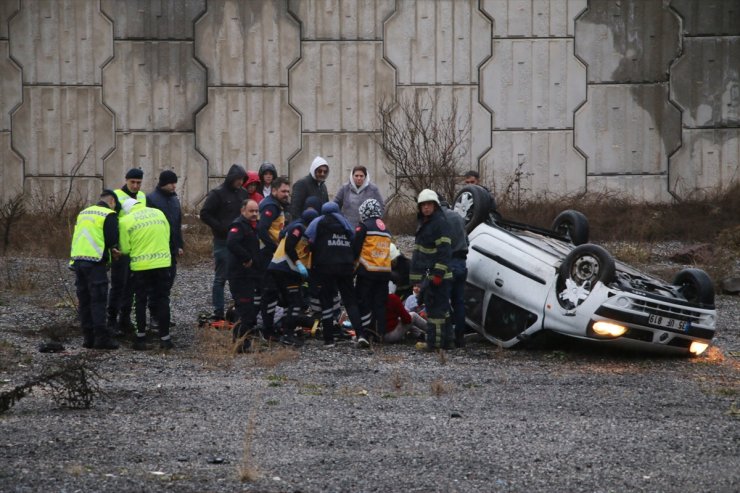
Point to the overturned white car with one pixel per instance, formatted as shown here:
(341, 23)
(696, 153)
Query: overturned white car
(523, 280)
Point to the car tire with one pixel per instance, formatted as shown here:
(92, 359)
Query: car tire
(696, 286)
(588, 263)
(474, 204)
(572, 225)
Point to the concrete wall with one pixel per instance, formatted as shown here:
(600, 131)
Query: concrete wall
(640, 97)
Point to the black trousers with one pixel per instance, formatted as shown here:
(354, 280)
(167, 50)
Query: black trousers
(91, 281)
(372, 295)
(329, 284)
(121, 295)
(152, 286)
(243, 291)
(290, 287)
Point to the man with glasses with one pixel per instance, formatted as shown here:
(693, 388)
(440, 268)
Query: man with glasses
(311, 185)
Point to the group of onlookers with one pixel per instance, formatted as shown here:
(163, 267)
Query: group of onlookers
(284, 250)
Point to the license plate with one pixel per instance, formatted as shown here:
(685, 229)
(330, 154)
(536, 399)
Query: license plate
(668, 323)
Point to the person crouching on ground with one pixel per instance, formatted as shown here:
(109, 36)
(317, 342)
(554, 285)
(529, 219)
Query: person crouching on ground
(400, 322)
(243, 246)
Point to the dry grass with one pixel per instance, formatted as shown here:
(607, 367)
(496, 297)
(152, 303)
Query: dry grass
(399, 381)
(273, 355)
(439, 388)
(214, 347)
(247, 469)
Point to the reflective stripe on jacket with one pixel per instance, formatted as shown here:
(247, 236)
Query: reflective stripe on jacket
(375, 252)
(88, 239)
(145, 237)
(432, 248)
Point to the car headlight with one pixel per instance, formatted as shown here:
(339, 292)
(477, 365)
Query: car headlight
(697, 348)
(609, 329)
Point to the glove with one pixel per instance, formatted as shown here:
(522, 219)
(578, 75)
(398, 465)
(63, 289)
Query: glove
(302, 269)
(437, 280)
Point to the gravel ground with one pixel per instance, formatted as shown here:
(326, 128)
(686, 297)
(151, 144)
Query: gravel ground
(566, 417)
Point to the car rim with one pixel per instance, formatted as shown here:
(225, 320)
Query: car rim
(585, 269)
(464, 205)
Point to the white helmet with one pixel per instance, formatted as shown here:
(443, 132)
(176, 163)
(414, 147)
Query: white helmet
(427, 195)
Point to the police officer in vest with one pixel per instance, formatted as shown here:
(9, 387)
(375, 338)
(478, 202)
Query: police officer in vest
(430, 266)
(372, 248)
(94, 241)
(145, 237)
(269, 227)
(120, 298)
(332, 260)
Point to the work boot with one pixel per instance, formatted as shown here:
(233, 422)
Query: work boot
(140, 344)
(166, 344)
(105, 343)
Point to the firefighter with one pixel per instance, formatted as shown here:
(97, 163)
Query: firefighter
(372, 249)
(430, 266)
(145, 238)
(94, 242)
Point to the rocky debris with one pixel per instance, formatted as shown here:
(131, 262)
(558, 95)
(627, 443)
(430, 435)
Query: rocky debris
(730, 285)
(693, 254)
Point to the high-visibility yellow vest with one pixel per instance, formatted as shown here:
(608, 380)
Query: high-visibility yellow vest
(123, 196)
(376, 251)
(88, 239)
(145, 237)
(302, 249)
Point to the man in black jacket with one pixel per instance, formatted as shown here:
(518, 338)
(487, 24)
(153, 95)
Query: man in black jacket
(223, 205)
(311, 185)
(243, 247)
(164, 198)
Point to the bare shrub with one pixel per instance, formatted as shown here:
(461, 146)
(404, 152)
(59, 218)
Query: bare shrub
(11, 211)
(198, 240)
(424, 143)
(72, 383)
(214, 347)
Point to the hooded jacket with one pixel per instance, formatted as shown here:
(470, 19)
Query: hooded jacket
(266, 168)
(330, 237)
(350, 196)
(223, 203)
(308, 186)
(253, 177)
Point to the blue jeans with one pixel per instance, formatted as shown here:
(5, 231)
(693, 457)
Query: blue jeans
(457, 298)
(221, 258)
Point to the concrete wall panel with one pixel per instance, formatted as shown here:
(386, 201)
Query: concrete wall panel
(707, 161)
(628, 129)
(153, 19)
(7, 9)
(533, 83)
(469, 111)
(629, 41)
(247, 43)
(709, 17)
(10, 86)
(542, 162)
(247, 126)
(440, 42)
(705, 82)
(533, 18)
(154, 152)
(343, 152)
(11, 170)
(342, 19)
(338, 86)
(54, 126)
(61, 42)
(53, 189)
(638, 188)
(154, 85)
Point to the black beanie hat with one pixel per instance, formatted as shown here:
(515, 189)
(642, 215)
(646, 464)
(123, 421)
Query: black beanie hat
(166, 177)
(135, 174)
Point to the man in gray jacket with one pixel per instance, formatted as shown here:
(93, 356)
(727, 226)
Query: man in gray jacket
(311, 185)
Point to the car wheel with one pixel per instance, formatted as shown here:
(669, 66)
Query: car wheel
(696, 286)
(588, 264)
(473, 203)
(572, 225)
